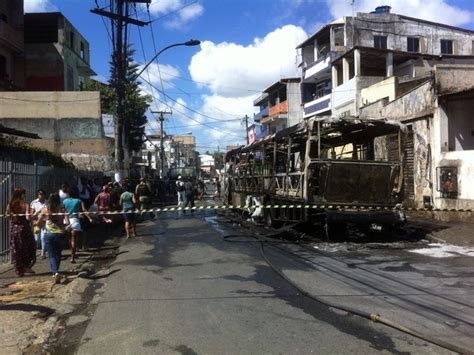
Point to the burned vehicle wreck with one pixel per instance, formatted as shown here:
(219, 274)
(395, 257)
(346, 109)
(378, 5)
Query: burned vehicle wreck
(330, 171)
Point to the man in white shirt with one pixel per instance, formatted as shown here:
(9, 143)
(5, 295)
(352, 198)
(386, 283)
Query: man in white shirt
(180, 190)
(37, 205)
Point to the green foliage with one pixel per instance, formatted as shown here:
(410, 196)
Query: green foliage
(218, 159)
(136, 104)
(108, 100)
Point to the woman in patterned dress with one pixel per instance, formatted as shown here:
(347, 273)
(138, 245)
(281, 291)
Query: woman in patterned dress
(22, 240)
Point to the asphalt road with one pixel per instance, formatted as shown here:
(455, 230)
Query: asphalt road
(180, 288)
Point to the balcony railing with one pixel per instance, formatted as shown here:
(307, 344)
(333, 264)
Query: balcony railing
(282, 107)
(261, 114)
(321, 64)
(317, 106)
(11, 37)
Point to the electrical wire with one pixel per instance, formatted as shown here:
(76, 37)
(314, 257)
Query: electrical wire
(195, 120)
(375, 317)
(169, 13)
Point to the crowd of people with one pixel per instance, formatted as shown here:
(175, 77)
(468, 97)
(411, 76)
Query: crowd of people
(64, 217)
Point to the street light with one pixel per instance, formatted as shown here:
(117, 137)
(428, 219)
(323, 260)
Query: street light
(190, 43)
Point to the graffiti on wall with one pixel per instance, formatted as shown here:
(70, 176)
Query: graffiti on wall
(422, 162)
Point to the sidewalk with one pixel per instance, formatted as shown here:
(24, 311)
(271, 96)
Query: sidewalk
(33, 309)
(456, 233)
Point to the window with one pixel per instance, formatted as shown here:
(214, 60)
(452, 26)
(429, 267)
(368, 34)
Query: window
(413, 44)
(83, 52)
(446, 46)
(380, 42)
(3, 67)
(71, 39)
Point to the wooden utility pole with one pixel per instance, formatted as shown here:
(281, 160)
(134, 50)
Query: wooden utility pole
(162, 149)
(246, 119)
(119, 39)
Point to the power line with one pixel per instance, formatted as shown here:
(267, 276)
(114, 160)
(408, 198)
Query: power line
(169, 13)
(152, 32)
(192, 118)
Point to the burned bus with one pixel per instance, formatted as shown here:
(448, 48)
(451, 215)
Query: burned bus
(334, 171)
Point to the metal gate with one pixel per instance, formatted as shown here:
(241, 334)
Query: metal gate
(31, 177)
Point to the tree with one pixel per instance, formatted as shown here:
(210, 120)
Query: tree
(108, 100)
(136, 104)
(218, 159)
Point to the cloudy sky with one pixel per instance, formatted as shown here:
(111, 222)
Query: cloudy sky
(246, 46)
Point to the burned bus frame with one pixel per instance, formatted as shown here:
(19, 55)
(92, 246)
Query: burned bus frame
(324, 162)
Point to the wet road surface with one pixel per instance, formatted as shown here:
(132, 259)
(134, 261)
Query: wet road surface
(180, 288)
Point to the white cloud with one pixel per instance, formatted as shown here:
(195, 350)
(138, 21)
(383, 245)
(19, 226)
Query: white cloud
(184, 16)
(38, 6)
(432, 10)
(227, 109)
(231, 69)
(160, 73)
(180, 13)
(235, 74)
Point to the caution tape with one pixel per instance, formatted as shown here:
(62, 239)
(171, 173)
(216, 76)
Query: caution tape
(322, 207)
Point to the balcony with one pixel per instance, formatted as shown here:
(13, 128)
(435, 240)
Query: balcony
(317, 106)
(317, 67)
(282, 107)
(261, 114)
(11, 37)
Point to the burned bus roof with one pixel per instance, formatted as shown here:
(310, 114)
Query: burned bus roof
(333, 131)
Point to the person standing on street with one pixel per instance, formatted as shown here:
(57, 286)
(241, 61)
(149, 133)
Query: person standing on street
(128, 202)
(143, 193)
(55, 232)
(36, 206)
(73, 206)
(188, 194)
(22, 241)
(84, 191)
(63, 191)
(104, 204)
(201, 189)
(180, 190)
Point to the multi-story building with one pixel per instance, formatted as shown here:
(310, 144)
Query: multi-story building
(56, 54)
(12, 76)
(280, 107)
(353, 53)
(184, 147)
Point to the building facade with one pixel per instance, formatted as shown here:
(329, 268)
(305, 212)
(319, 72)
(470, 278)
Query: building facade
(69, 124)
(353, 53)
(280, 107)
(12, 76)
(57, 56)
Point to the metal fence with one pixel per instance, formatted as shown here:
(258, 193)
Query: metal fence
(31, 177)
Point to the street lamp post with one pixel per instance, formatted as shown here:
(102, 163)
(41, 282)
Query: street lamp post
(190, 43)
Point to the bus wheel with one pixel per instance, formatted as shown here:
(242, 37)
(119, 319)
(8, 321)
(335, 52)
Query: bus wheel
(270, 220)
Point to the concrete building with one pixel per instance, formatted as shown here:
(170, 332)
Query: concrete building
(439, 144)
(353, 53)
(184, 148)
(207, 164)
(68, 123)
(56, 54)
(12, 76)
(280, 107)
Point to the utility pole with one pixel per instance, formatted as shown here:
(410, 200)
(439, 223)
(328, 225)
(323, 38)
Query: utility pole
(246, 119)
(162, 149)
(119, 39)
